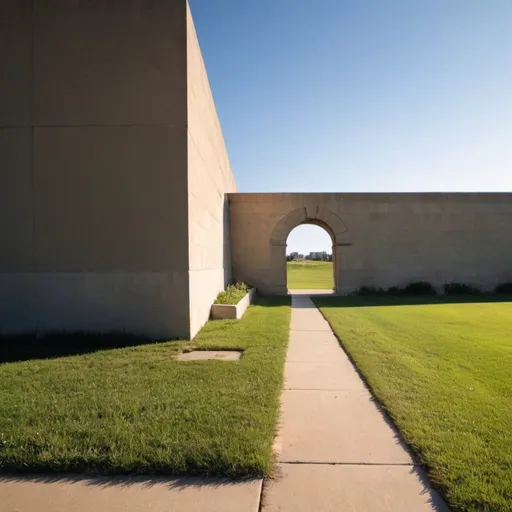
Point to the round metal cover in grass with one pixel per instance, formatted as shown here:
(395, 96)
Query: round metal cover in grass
(204, 355)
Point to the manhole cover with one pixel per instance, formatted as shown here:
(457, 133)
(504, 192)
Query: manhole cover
(203, 355)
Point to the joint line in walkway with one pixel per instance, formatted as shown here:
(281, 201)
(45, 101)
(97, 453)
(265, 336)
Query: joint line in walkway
(326, 463)
(310, 330)
(364, 392)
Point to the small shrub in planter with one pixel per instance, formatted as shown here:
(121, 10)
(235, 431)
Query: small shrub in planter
(460, 289)
(233, 294)
(419, 288)
(504, 288)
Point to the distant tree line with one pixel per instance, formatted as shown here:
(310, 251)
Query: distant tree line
(313, 256)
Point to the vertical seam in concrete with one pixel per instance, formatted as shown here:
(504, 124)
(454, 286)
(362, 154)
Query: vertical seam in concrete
(187, 181)
(32, 136)
(35, 263)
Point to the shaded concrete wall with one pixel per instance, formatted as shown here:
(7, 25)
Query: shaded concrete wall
(380, 240)
(209, 179)
(93, 166)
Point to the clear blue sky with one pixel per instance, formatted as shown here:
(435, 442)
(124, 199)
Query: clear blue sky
(361, 95)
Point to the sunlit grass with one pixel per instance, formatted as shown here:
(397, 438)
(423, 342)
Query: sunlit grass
(138, 409)
(443, 371)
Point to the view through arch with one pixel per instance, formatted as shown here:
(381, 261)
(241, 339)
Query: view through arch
(309, 255)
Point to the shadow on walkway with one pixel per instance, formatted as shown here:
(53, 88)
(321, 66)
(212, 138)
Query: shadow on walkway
(103, 481)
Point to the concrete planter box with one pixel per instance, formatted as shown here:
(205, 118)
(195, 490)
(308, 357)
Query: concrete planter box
(233, 311)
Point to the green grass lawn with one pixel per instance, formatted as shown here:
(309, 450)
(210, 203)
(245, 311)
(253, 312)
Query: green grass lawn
(137, 409)
(444, 373)
(310, 275)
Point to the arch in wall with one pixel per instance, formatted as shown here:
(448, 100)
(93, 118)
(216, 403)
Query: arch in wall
(316, 215)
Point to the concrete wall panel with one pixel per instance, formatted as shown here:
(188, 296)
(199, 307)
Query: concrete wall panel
(15, 63)
(146, 303)
(16, 215)
(93, 189)
(111, 199)
(110, 63)
(18, 293)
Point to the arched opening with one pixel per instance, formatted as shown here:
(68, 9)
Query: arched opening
(316, 215)
(309, 257)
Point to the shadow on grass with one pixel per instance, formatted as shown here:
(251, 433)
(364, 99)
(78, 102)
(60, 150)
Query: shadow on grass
(271, 300)
(26, 347)
(358, 301)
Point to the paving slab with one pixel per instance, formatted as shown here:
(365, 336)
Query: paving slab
(329, 488)
(309, 321)
(300, 292)
(49, 494)
(338, 374)
(302, 305)
(337, 427)
(321, 346)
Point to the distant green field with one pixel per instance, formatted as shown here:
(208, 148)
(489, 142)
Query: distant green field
(310, 275)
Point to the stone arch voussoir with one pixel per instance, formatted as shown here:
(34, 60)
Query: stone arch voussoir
(315, 214)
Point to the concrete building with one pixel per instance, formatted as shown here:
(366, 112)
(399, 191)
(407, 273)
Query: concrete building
(118, 206)
(317, 256)
(113, 169)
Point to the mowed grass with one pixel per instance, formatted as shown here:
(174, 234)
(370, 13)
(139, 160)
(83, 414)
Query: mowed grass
(444, 373)
(138, 410)
(310, 275)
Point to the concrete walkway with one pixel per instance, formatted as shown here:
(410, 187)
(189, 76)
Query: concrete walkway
(130, 494)
(336, 450)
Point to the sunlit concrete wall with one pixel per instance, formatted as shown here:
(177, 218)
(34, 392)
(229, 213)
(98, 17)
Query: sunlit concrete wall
(93, 166)
(383, 240)
(209, 180)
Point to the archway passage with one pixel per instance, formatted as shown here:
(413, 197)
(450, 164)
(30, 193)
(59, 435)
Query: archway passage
(310, 214)
(309, 263)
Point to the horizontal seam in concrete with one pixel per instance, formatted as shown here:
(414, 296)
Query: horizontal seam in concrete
(95, 272)
(316, 463)
(310, 330)
(163, 125)
(328, 389)
(313, 362)
(205, 269)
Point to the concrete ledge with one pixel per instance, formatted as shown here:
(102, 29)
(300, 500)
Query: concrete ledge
(233, 311)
